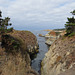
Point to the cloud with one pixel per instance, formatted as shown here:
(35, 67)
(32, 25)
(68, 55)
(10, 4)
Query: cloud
(24, 13)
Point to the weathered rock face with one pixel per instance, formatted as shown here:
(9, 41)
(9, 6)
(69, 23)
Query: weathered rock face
(28, 39)
(69, 72)
(50, 40)
(15, 64)
(53, 35)
(14, 56)
(50, 37)
(60, 57)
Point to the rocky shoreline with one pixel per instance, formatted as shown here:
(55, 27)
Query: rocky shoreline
(53, 35)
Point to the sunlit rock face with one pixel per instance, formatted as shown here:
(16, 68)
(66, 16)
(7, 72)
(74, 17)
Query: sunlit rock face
(53, 35)
(60, 57)
(50, 37)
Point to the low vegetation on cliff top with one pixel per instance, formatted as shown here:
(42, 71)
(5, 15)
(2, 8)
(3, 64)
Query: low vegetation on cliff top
(14, 56)
(12, 39)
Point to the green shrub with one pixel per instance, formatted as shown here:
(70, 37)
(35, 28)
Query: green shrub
(72, 34)
(70, 25)
(11, 44)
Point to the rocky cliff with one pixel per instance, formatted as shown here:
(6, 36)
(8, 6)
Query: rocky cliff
(60, 57)
(53, 35)
(15, 53)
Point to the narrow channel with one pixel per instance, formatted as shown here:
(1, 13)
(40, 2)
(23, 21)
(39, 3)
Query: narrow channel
(43, 48)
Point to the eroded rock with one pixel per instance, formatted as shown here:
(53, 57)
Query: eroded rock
(60, 57)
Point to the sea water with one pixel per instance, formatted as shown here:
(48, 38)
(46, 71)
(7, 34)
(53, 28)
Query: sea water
(43, 48)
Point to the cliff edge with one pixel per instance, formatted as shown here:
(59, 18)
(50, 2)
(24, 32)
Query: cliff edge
(15, 53)
(60, 57)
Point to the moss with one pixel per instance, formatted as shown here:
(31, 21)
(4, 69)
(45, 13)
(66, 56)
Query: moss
(72, 34)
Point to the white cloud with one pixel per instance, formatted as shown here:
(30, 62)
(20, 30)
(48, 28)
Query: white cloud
(37, 12)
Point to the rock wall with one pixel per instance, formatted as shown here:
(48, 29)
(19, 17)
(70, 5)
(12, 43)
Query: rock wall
(60, 57)
(14, 56)
(18, 64)
(27, 38)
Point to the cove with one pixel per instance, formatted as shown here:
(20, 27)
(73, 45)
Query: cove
(43, 48)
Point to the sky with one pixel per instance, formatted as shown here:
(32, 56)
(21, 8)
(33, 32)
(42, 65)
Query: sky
(37, 14)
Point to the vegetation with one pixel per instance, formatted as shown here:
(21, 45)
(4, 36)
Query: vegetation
(10, 43)
(4, 23)
(17, 41)
(59, 29)
(70, 25)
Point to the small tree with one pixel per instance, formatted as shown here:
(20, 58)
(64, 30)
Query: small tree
(4, 23)
(70, 25)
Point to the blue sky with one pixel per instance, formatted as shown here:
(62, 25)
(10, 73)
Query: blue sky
(37, 14)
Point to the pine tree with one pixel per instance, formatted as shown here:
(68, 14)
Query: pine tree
(70, 25)
(4, 23)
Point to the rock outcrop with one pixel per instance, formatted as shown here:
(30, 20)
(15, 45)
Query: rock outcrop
(50, 37)
(15, 55)
(41, 35)
(53, 35)
(60, 57)
(27, 38)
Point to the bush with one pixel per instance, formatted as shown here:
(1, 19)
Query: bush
(72, 34)
(11, 44)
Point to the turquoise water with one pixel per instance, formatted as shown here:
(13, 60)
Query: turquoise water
(43, 48)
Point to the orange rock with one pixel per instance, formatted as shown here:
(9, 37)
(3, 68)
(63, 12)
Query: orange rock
(52, 33)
